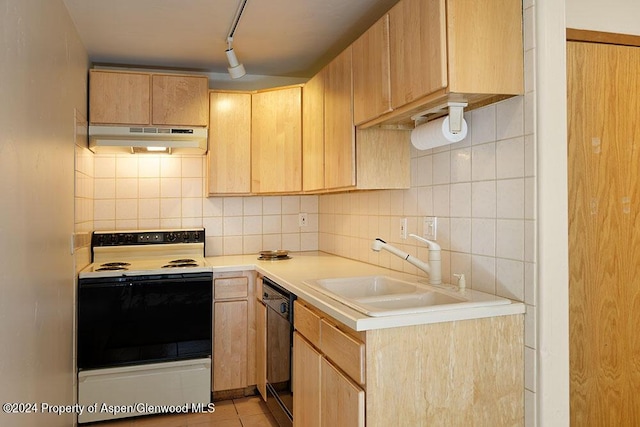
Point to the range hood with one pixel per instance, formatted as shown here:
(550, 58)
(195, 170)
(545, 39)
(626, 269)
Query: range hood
(153, 140)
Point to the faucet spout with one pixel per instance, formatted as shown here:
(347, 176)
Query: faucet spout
(432, 268)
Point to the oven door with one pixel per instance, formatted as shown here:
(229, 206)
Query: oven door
(144, 319)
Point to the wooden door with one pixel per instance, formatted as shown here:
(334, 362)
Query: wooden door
(230, 143)
(339, 131)
(341, 400)
(306, 383)
(371, 84)
(119, 98)
(313, 133)
(276, 141)
(230, 345)
(604, 233)
(261, 349)
(180, 100)
(418, 46)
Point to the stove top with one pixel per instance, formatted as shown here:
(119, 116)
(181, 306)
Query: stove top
(149, 252)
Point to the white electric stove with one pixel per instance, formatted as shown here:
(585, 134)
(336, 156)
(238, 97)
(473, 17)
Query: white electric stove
(144, 334)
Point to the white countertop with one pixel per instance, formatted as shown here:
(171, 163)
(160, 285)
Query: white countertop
(304, 266)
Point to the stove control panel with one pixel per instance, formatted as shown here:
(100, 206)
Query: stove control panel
(132, 238)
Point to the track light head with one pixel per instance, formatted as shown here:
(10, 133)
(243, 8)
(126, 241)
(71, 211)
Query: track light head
(236, 70)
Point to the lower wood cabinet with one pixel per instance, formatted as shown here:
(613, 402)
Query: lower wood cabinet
(230, 345)
(460, 373)
(323, 395)
(341, 400)
(306, 382)
(234, 332)
(261, 342)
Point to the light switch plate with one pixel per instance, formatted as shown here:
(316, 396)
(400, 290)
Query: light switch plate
(430, 227)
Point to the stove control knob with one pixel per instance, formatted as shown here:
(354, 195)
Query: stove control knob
(171, 237)
(185, 236)
(114, 239)
(196, 236)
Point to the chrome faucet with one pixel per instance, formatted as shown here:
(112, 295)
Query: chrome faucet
(432, 268)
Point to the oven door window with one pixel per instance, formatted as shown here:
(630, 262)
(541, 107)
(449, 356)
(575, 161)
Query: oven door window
(144, 320)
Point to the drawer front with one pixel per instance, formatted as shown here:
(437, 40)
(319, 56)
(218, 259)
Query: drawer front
(307, 323)
(343, 350)
(230, 288)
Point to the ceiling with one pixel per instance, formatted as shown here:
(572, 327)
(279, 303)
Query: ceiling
(292, 38)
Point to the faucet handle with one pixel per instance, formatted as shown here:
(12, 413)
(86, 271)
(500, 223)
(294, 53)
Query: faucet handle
(433, 246)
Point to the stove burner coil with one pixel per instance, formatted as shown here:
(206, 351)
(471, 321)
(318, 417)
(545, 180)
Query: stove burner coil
(183, 261)
(112, 268)
(184, 264)
(115, 264)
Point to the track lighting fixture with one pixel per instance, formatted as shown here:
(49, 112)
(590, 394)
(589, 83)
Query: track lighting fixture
(236, 69)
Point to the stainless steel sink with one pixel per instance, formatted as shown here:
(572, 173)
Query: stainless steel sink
(383, 296)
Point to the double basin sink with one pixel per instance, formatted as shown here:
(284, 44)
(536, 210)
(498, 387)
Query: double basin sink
(384, 296)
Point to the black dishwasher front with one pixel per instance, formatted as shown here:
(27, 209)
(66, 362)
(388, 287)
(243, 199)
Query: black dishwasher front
(279, 303)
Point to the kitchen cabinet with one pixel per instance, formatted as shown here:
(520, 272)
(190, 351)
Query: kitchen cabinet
(371, 78)
(276, 141)
(119, 97)
(179, 100)
(147, 99)
(261, 342)
(234, 335)
(307, 385)
(353, 160)
(328, 365)
(339, 132)
(458, 369)
(313, 133)
(229, 155)
(444, 50)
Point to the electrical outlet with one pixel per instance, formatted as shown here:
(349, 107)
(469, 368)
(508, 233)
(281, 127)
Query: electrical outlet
(430, 227)
(403, 228)
(302, 219)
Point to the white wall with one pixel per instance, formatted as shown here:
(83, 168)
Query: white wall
(613, 16)
(42, 79)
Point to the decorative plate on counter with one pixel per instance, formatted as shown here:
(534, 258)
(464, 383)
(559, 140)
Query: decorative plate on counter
(274, 255)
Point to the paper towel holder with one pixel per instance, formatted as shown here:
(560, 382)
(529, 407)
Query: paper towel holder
(456, 114)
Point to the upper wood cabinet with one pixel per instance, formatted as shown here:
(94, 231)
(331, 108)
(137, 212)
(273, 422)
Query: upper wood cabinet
(229, 153)
(418, 49)
(339, 132)
(442, 50)
(136, 98)
(335, 157)
(313, 133)
(371, 81)
(179, 100)
(119, 97)
(276, 141)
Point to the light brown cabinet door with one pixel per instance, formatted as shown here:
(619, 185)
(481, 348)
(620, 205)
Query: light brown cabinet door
(306, 383)
(339, 131)
(313, 133)
(230, 345)
(418, 50)
(341, 400)
(180, 100)
(603, 86)
(229, 153)
(276, 141)
(371, 82)
(119, 98)
(261, 349)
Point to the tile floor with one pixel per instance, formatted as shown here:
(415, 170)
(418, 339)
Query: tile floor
(245, 412)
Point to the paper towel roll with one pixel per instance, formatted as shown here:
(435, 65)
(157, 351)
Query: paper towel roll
(436, 133)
